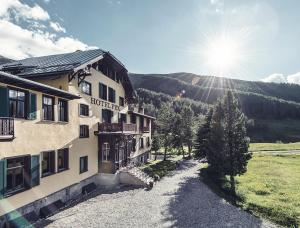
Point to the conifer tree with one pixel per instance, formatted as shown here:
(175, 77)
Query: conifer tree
(156, 143)
(188, 131)
(202, 138)
(164, 123)
(236, 142)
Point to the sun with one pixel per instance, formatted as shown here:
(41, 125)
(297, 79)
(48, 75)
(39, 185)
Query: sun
(222, 54)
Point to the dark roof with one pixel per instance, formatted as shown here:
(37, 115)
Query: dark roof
(28, 84)
(51, 64)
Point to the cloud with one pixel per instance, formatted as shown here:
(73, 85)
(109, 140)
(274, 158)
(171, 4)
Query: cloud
(33, 38)
(276, 78)
(22, 43)
(294, 78)
(57, 27)
(19, 10)
(280, 78)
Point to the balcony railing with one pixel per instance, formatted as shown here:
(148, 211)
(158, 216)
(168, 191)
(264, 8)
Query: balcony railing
(117, 127)
(7, 128)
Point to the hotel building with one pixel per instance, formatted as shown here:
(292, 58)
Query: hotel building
(67, 122)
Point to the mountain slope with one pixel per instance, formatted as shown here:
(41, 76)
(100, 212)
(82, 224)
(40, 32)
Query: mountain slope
(4, 60)
(289, 92)
(273, 108)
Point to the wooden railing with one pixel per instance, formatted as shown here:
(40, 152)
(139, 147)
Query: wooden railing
(117, 127)
(7, 127)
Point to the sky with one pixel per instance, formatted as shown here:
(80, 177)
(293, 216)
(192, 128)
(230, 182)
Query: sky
(248, 40)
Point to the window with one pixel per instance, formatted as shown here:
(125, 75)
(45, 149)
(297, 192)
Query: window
(83, 164)
(84, 131)
(141, 142)
(48, 108)
(133, 118)
(62, 110)
(121, 101)
(48, 163)
(105, 151)
(148, 141)
(133, 144)
(84, 110)
(102, 91)
(111, 95)
(123, 118)
(63, 159)
(106, 115)
(86, 87)
(17, 174)
(16, 103)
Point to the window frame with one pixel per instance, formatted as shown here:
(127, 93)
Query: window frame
(111, 95)
(44, 106)
(88, 110)
(65, 110)
(86, 164)
(26, 175)
(103, 91)
(81, 130)
(90, 86)
(109, 115)
(52, 165)
(66, 154)
(17, 102)
(141, 143)
(105, 152)
(121, 102)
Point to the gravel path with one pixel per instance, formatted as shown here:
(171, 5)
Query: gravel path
(179, 200)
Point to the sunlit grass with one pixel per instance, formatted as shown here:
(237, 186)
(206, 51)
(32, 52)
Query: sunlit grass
(271, 188)
(274, 146)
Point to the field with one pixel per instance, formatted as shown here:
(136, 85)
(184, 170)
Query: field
(274, 146)
(271, 188)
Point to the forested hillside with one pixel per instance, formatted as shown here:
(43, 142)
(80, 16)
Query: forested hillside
(276, 103)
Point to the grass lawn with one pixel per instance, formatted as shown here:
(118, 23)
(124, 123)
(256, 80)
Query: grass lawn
(270, 188)
(161, 168)
(274, 146)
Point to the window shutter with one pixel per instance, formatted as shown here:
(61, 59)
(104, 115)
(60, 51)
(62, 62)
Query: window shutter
(3, 102)
(31, 106)
(2, 177)
(35, 170)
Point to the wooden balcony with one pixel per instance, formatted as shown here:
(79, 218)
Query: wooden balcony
(117, 128)
(6, 128)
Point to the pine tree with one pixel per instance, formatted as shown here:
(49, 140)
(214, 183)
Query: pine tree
(236, 142)
(164, 123)
(156, 143)
(188, 131)
(215, 156)
(203, 134)
(177, 132)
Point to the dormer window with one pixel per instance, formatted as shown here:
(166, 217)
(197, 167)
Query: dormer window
(86, 87)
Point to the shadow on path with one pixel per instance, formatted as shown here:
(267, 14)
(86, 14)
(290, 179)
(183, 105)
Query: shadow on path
(195, 205)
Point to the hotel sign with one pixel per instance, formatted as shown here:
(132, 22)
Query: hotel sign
(104, 104)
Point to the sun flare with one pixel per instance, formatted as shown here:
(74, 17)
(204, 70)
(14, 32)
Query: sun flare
(223, 54)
